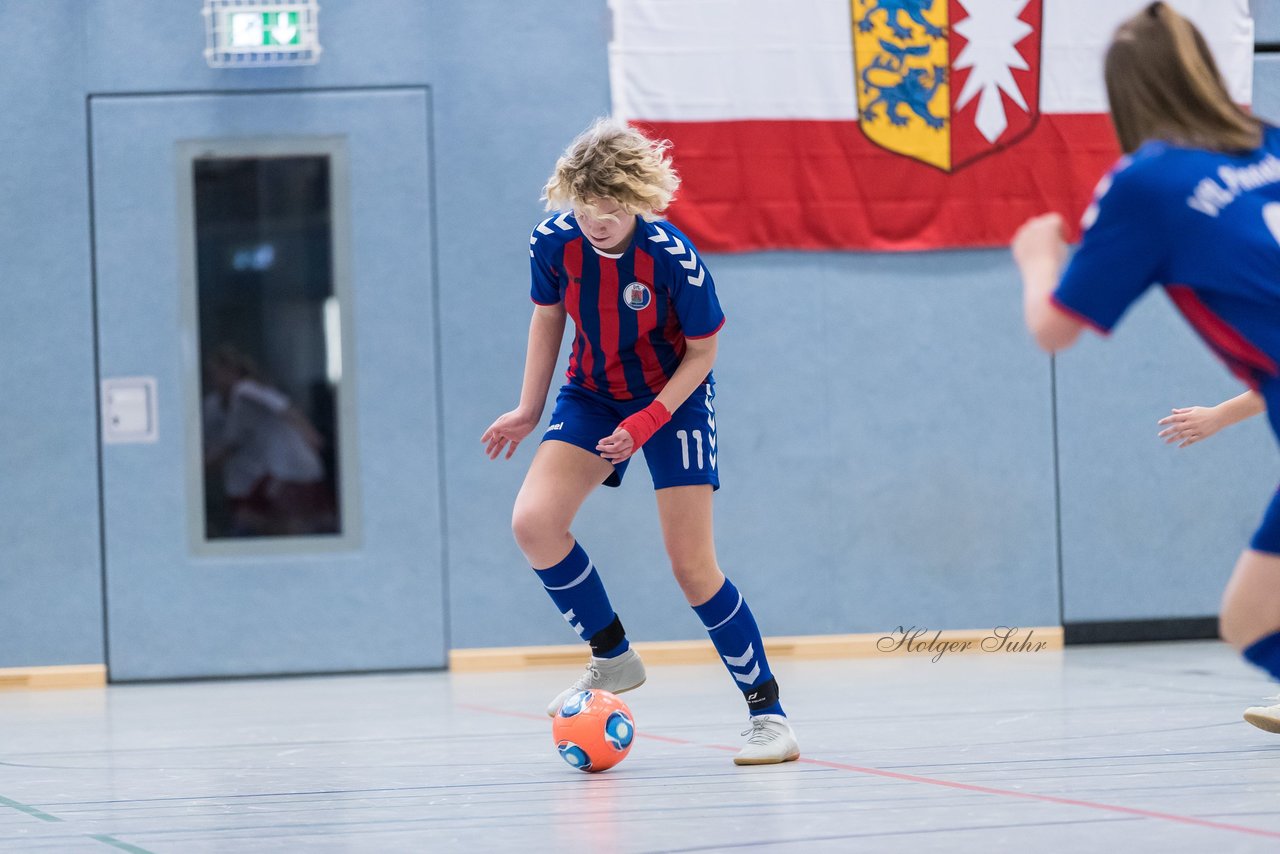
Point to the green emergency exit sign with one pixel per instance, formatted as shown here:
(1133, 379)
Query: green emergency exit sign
(256, 33)
(264, 29)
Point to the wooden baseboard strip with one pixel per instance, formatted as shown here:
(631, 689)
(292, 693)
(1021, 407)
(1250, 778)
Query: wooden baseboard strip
(925, 643)
(53, 678)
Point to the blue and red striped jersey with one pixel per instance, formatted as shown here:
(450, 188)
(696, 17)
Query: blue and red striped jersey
(1203, 224)
(632, 313)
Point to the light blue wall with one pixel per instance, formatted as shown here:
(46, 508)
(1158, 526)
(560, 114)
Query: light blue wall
(882, 461)
(50, 575)
(1148, 530)
(1266, 21)
(886, 426)
(516, 81)
(1266, 86)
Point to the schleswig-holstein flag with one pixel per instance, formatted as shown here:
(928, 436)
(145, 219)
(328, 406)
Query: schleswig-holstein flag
(883, 124)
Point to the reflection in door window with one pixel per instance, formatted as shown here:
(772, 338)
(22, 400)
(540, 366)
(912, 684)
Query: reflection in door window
(269, 348)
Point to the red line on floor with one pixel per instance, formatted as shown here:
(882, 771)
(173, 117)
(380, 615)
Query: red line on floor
(931, 781)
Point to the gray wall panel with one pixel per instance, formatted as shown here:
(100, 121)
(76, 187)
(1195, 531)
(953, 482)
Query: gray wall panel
(1266, 21)
(50, 582)
(897, 414)
(517, 82)
(1151, 531)
(1266, 86)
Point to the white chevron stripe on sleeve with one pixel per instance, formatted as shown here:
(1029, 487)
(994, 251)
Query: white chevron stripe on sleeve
(568, 618)
(741, 660)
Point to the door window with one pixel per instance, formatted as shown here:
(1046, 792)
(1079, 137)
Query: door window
(269, 329)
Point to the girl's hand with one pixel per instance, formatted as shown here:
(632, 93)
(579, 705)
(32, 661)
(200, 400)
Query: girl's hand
(1191, 424)
(617, 447)
(1040, 240)
(508, 431)
(634, 431)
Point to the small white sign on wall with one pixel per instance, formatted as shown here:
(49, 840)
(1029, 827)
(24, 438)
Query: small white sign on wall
(129, 410)
(261, 33)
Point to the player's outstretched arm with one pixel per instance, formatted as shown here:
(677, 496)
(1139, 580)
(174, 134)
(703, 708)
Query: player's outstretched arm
(1191, 424)
(1040, 253)
(699, 359)
(546, 330)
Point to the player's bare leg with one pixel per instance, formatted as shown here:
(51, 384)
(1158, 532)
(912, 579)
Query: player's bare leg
(1251, 602)
(686, 516)
(560, 478)
(1250, 620)
(685, 513)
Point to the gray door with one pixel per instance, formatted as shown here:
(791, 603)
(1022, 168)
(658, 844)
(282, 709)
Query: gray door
(266, 342)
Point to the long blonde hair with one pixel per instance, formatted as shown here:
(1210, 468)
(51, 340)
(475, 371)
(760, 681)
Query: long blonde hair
(1162, 83)
(612, 160)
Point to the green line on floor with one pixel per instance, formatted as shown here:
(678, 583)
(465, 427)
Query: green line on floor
(116, 843)
(43, 816)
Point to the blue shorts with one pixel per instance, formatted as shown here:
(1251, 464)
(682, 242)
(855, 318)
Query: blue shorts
(682, 453)
(1267, 538)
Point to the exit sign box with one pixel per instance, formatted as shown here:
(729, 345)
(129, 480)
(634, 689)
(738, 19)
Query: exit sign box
(258, 33)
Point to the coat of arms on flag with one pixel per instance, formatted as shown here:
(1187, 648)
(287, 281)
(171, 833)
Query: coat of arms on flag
(883, 124)
(946, 81)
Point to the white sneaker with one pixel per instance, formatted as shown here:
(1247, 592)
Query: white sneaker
(616, 675)
(771, 741)
(1264, 717)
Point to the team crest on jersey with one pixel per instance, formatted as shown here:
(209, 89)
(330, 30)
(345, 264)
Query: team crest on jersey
(637, 296)
(947, 82)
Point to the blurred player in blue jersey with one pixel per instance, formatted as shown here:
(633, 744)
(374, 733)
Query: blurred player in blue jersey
(1194, 206)
(646, 316)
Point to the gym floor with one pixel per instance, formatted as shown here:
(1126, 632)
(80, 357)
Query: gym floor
(1125, 747)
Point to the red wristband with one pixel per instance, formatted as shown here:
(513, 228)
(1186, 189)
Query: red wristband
(645, 423)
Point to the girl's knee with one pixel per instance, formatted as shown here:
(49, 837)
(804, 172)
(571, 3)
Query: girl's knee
(698, 579)
(530, 526)
(1239, 625)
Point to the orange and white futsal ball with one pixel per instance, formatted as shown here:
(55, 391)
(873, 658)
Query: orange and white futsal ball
(593, 730)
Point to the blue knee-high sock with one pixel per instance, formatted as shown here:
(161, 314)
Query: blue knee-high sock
(1266, 654)
(575, 586)
(737, 638)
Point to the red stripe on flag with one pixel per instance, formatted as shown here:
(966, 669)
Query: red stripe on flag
(580, 360)
(1242, 357)
(793, 184)
(968, 143)
(646, 322)
(609, 298)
